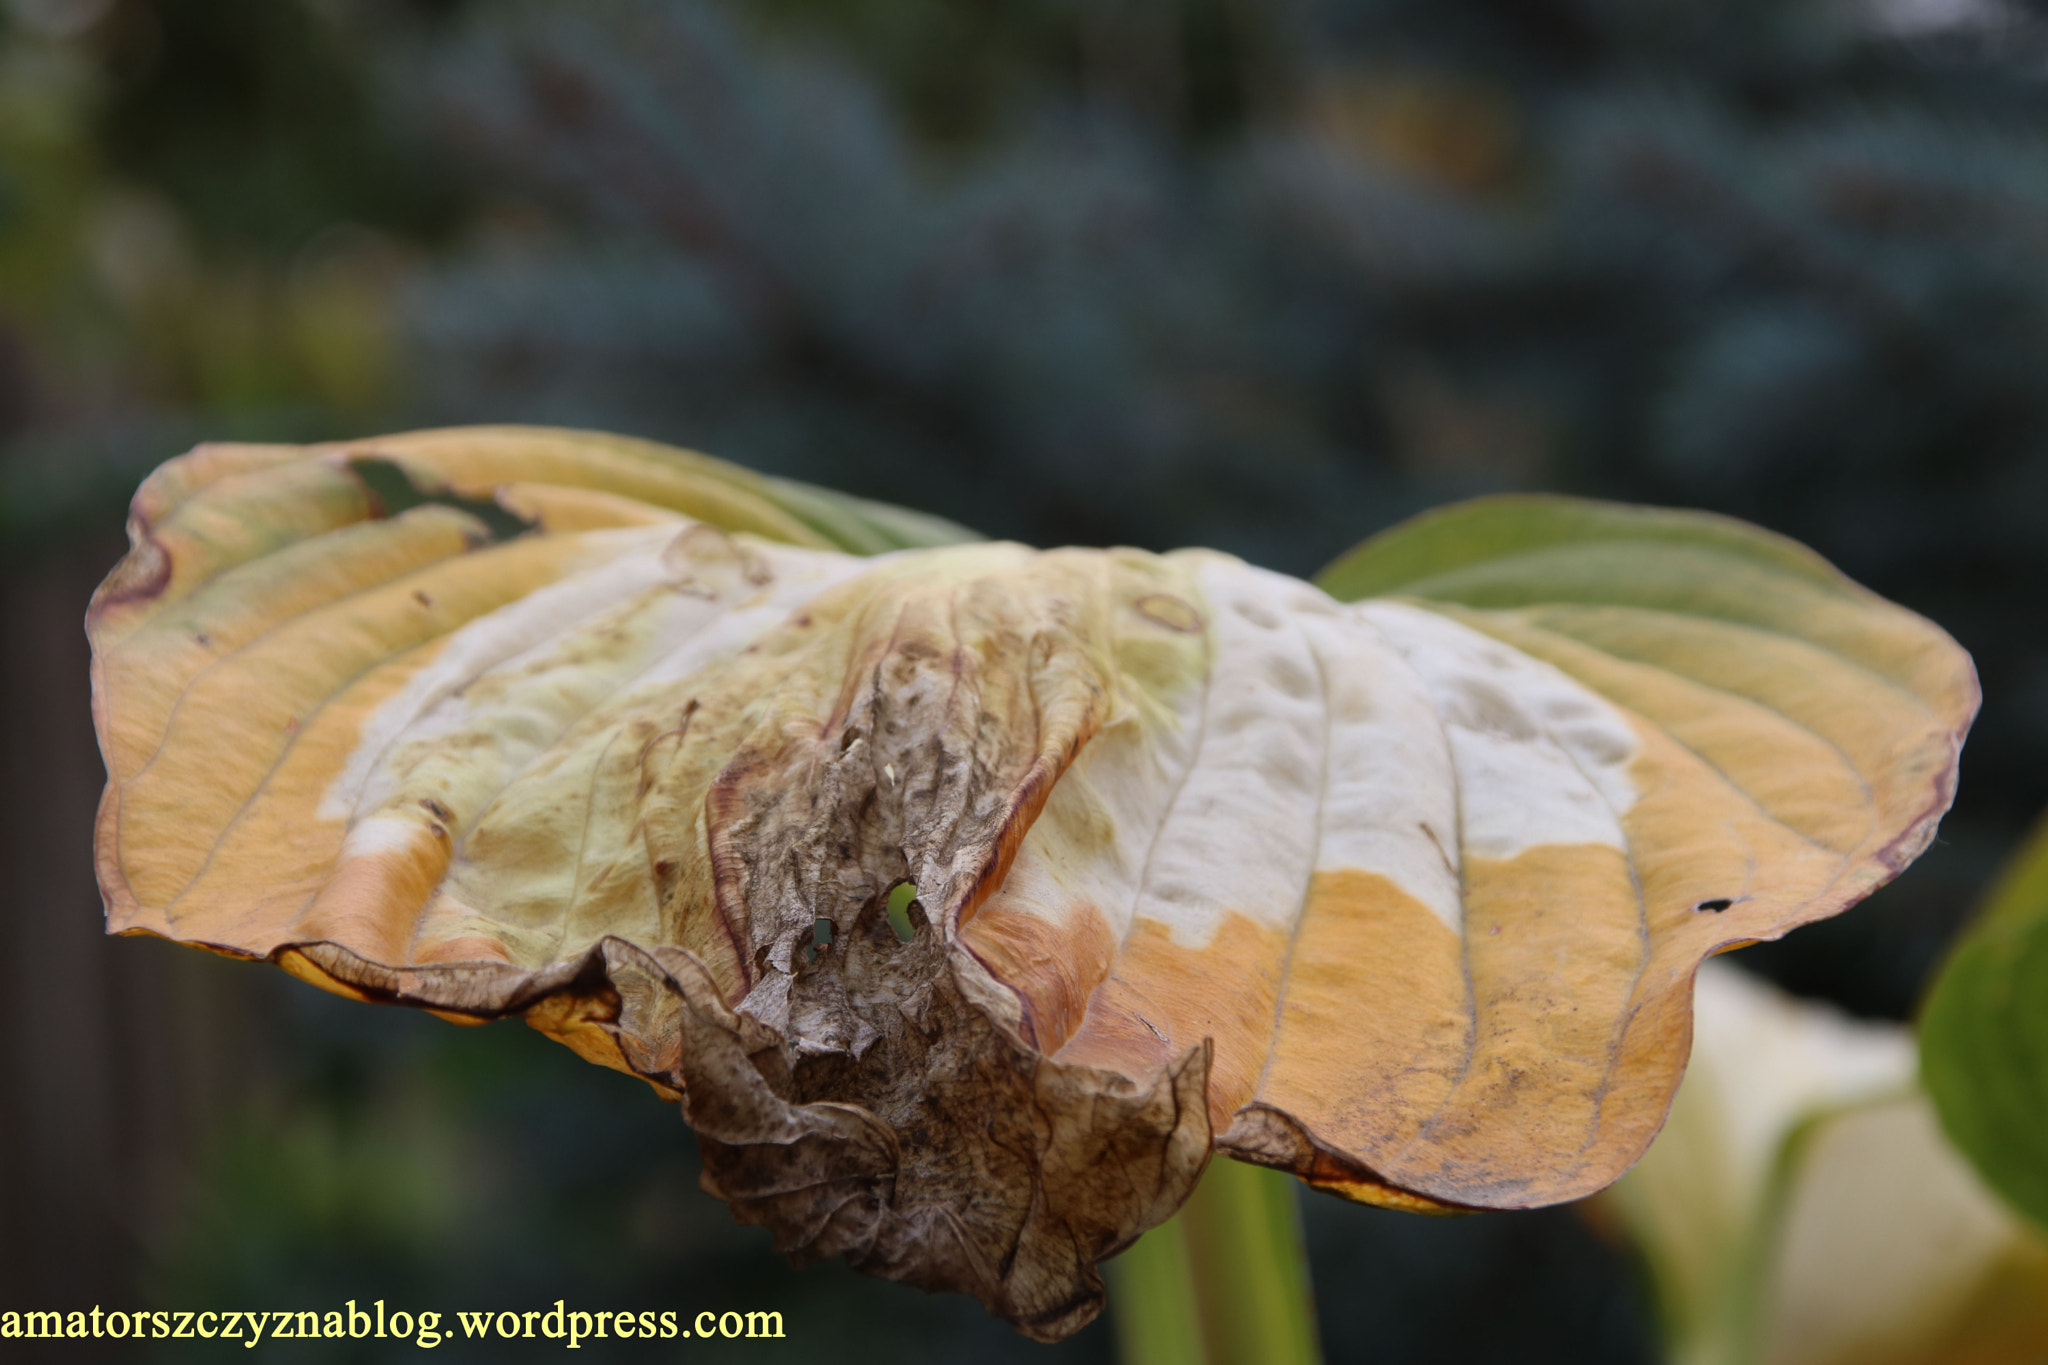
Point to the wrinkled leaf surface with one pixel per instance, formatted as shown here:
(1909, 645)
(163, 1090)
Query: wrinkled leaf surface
(1403, 895)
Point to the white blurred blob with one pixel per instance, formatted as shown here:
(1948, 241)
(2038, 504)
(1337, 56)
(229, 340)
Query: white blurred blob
(1802, 1207)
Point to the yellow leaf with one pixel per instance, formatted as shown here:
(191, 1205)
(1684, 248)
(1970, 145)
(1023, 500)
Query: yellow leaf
(1404, 896)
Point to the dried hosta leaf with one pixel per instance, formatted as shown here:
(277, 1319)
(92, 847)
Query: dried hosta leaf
(1404, 896)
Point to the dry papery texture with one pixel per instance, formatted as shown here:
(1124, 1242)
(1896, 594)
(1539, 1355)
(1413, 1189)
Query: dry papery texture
(1403, 895)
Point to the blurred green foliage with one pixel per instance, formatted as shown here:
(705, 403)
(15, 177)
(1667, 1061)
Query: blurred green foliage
(1984, 1035)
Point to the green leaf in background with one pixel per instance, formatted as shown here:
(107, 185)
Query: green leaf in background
(1984, 1035)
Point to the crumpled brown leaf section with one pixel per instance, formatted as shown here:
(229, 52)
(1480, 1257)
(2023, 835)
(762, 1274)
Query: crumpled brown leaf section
(873, 1102)
(947, 1155)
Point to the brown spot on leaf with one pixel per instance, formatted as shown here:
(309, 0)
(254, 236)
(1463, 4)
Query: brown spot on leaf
(144, 572)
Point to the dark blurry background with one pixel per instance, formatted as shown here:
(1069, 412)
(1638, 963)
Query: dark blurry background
(1260, 274)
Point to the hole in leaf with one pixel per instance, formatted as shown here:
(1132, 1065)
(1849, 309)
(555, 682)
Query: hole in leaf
(821, 939)
(392, 485)
(900, 897)
(1716, 905)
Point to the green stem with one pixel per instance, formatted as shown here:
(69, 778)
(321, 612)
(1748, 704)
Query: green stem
(1224, 1282)
(1153, 1301)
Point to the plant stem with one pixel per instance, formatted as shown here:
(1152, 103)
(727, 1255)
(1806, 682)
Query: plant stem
(1153, 1300)
(1224, 1282)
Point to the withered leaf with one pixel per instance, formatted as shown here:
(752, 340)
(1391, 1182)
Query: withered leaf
(1404, 896)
